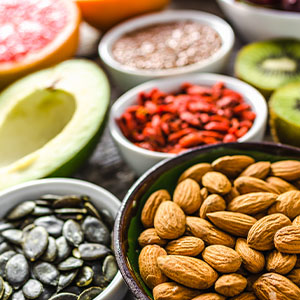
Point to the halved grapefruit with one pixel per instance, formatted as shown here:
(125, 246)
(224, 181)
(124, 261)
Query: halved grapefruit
(35, 34)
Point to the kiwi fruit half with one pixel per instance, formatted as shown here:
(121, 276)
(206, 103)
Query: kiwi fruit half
(284, 108)
(269, 64)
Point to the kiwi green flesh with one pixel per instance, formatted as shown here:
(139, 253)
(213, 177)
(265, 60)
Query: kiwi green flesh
(284, 108)
(269, 65)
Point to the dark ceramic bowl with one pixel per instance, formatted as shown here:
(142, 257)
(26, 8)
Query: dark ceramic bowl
(164, 175)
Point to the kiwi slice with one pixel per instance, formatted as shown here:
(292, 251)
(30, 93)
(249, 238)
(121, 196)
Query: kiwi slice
(284, 108)
(269, 64)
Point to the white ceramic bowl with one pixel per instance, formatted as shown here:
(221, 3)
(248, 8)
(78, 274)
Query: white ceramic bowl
(126, 77)
(140, 159)
(258, 23)
(99, 197)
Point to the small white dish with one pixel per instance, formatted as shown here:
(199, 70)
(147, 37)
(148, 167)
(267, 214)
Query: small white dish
(140, 159)
(126, 77)
(259, 23)
(100, 197)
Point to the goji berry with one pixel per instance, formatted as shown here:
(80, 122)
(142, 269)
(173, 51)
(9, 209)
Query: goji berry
(219, 126)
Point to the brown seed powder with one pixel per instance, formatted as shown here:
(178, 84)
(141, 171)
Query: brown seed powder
(167, 45)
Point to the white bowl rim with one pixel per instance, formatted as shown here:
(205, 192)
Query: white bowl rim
(221, 26)
(264, 10)
(117, 282)
(117, 135)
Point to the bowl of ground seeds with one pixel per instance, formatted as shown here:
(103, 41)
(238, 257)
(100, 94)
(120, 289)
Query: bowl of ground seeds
(166, 44)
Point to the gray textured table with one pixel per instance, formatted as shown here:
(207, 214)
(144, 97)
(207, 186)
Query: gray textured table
(105, 167)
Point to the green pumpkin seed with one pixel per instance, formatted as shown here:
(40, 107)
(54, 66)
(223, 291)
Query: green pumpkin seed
(70, 264)
(63, 248)
(85, 276)
(67, 201)
(4, 258)
(46, 273)
(64, 296)
(14, 236)
(76, 253)
(73, 233)
(69, 211)
(95, 231)
(7, 291)
(51, 251)
(35, 243)
(66, 279)
(17, 270)
(18, 295)
(90, 293)
(21, 210)
(110, 267)
(42, 211)
(5, 226)
(93, 251)
(32, 289)
(52, 224)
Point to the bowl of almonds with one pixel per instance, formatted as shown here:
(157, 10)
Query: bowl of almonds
(220, 222)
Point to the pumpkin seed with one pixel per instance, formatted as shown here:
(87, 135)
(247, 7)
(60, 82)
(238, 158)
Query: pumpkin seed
(93, 251)
(35, 243)
(90, 293)
(110, 267)
(21, 210)
(76, 253)
(32, 289)
(67, 201)
(41, 211)
(52, 224)
(99, 279)
(4, 258)
(85, 276)
(73, 289)
(92, 209)
(14, 236)
(64, 296)
(51, 251)
(17, 270)
(70, 264)
(47, 293)
(66, 279)
(5, 226)
(7, 291)
(46, 273)
(18, 295)
(63, 248)
(95, 231)
(42, 202)
(5, 247)
(73, 233)
(69, 211)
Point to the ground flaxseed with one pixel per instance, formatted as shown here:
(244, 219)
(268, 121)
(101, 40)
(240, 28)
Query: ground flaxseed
(167, 45)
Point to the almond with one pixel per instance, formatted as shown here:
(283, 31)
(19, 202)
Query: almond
(253, 260)
(169, 220)
(173, 291)
(148, 267)
(252, 203)
(247, 184)
(212, 203)
(286, 169)
(294, 276)
(186, 245)
(233, 165)
(275, 286)
(259, 170)
(208, 232)
(245, 296)
(188, 271)
(222, 258)
(296, 221)
(280, 185)
(231, 284)
(216, 182)
(187, 195)
(288, 203)
(232, 222)
(287, 239)
(204, 193)
(231, 195)
(209, 296)
(150, 237)
(280, 262)
(196, 172)
(261, 234)
(151, 205)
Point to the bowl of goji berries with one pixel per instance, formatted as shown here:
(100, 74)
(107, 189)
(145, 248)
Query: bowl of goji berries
(164, 117)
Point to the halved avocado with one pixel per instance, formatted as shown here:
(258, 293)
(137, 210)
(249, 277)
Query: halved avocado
(51, 120)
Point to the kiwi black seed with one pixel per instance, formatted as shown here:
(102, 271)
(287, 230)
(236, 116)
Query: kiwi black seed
(284, 106)
(269, 65)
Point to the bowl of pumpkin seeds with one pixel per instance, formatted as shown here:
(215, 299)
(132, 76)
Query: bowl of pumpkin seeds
(56, 242)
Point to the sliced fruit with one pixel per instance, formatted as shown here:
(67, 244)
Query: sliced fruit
(51, 120)
(34, 35)
(284, 109)
(270, 64)
(104, 14)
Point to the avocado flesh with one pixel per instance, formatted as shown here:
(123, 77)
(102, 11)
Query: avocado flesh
(51, 119)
